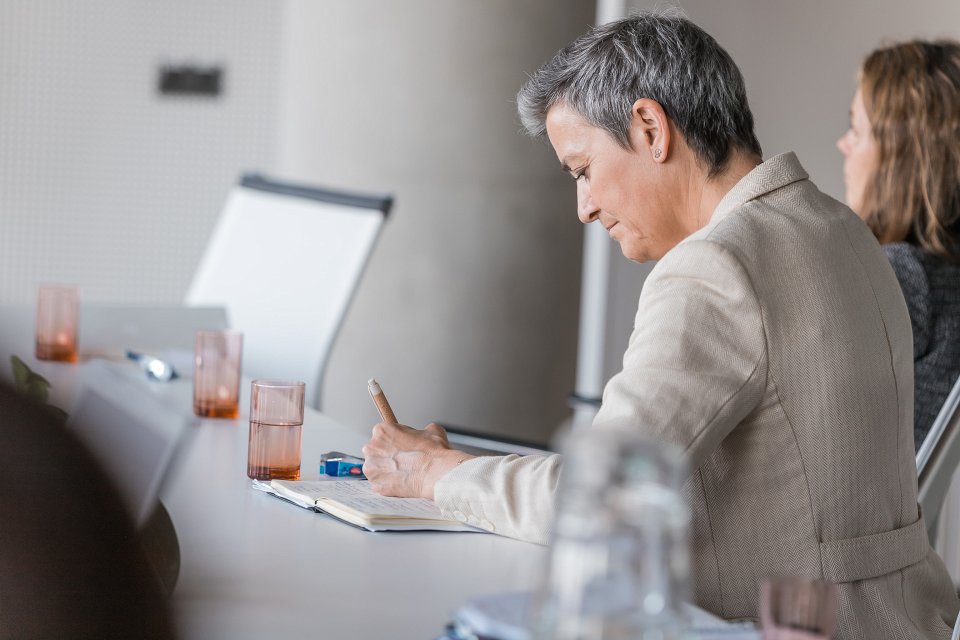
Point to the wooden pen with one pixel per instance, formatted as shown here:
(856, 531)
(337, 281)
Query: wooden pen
(386, 413)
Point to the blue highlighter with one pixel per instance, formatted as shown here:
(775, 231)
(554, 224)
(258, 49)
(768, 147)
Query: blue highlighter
(336, 463)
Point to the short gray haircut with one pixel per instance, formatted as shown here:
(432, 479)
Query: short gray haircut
(658, 55)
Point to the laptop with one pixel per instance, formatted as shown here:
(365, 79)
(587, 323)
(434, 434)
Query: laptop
(133, 431)
(117, 328)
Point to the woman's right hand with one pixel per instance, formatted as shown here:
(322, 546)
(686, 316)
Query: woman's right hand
(406, 462)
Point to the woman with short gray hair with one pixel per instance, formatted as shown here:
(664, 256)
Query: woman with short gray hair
(665, 58)
(771, 343)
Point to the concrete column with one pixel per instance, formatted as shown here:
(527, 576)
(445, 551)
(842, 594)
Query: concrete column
(468, 311)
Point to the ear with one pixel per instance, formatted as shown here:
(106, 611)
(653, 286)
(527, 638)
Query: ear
(650, 129)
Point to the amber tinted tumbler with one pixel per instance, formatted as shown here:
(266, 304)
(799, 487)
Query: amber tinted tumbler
(276, 422)
(216, 374)
(797, 608)
(58, 312)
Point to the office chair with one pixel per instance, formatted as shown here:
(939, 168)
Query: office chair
(285, 260)
(937, 460)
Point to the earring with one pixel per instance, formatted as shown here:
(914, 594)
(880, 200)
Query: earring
(656, 154)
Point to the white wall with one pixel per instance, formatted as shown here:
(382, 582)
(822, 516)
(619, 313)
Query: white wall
(104, 183)
(468, 311)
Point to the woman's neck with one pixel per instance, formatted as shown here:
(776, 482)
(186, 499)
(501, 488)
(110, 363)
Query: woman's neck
(714, 189)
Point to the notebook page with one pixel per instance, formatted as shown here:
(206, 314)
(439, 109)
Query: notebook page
(359, 496)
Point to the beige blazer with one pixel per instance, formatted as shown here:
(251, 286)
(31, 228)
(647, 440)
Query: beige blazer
(774, 346)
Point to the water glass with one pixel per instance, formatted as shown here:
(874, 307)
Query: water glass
(216, 374)
(620, 557)
(797, 608)
(276, 423)
(58, 312)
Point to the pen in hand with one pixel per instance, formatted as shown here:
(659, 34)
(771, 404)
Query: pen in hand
(386, 413)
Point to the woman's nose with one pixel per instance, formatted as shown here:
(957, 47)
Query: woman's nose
(842, 144)
(586, 210)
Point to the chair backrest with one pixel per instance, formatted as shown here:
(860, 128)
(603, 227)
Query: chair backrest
(285, 261)
(938, 458)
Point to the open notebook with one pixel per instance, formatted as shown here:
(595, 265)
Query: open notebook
(356, 503)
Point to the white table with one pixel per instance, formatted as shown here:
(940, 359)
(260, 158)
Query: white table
(253, 566)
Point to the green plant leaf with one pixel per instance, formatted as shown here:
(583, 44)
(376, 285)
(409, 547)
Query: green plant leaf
(37, 391)
(21, 372)
(29, 383)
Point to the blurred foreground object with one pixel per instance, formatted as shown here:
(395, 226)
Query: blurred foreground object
(71, 563)
(620, 558)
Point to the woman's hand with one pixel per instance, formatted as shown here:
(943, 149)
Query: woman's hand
(406, 462)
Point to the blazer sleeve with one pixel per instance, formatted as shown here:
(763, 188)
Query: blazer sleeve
(510, 495)
(696, 364)
(694, 368)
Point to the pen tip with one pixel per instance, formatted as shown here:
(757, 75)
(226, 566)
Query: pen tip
(371, 382)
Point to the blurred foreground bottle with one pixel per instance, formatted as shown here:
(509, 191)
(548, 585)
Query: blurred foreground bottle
(620, 557)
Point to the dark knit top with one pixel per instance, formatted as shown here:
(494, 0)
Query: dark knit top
(931, 287)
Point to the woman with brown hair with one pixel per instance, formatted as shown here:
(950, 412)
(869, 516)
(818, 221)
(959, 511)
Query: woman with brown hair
(902, 174)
